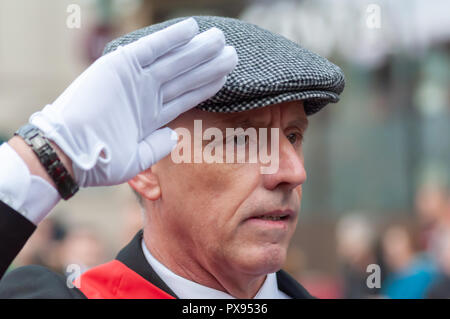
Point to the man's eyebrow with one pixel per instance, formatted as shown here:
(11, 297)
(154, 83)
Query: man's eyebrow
(301, 123)
(237, 121)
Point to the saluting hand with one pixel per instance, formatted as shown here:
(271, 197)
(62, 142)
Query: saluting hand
(108, 120)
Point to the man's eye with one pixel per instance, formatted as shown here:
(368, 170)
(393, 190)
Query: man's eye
(294, 138)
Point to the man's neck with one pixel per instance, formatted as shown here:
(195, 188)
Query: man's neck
(216, 276)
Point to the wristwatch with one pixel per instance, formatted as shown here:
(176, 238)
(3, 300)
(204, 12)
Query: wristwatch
(35, 138)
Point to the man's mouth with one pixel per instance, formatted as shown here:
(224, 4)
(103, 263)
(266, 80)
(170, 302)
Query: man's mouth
(274, 218)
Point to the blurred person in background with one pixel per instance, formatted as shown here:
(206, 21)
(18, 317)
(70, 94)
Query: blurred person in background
(440, 288)
(432, 205)
(355, 239)
(43, 247)
(410, 272)
(83, 247)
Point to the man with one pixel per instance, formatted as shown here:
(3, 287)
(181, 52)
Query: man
(216, 226)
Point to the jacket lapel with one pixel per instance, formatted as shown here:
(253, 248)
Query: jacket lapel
(133, 257)
(291, 287)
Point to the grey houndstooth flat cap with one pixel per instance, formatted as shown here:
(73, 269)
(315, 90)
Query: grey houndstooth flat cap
(271, 68)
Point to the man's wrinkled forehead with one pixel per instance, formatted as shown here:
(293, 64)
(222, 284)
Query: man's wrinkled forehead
(292, 113)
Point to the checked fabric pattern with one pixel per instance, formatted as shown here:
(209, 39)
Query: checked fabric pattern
(271, 68)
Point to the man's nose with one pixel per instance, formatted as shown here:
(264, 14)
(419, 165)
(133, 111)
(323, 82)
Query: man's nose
(291, 170)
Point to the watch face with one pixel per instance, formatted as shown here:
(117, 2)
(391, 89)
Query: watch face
(37, 142)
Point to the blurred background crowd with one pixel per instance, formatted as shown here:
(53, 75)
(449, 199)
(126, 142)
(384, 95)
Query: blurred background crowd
(378, 163)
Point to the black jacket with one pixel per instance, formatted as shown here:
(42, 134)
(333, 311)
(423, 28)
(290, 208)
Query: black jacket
(40, 282)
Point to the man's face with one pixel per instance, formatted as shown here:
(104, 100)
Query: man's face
(214, 209)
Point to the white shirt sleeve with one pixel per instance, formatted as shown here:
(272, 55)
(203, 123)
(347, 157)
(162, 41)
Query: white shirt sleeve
(30, 195)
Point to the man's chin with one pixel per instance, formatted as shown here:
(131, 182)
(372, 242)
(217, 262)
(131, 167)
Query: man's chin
(264, 260)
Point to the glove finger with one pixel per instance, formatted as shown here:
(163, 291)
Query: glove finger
(208, 72)
(147, 49)
(190, 99)
(156, 146)
(200, 49)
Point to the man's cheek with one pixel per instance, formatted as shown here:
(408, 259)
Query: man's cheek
(217, 178)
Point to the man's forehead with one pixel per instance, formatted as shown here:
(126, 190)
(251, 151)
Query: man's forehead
(291, 113)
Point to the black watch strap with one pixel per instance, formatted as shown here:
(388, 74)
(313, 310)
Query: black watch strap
(34, 137)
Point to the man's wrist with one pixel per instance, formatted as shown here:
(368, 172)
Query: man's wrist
(32, 161)
(30, 195)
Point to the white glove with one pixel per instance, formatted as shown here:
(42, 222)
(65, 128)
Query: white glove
(107, 121)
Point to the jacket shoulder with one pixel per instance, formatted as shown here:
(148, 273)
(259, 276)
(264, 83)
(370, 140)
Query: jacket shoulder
(36, 282)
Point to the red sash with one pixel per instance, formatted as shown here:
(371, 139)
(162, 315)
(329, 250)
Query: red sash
(114, 280)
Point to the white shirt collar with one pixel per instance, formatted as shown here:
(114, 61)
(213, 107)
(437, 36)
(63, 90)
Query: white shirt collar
(187, 289)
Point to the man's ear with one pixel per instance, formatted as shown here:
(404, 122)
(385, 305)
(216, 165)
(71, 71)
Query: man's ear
(146, 184)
